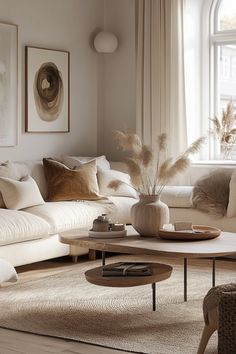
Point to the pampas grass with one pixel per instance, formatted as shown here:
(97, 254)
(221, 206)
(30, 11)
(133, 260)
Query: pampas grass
(149, 175)
(225, 130)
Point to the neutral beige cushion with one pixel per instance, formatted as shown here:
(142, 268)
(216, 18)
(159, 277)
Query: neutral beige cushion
(76, 161)
(197, 217)
(20, 194)
(17, 226)
(7, 272)
(231, 210)
(36, 171)
(67, 184)
(12, 170)
(124, 190)
(67, 215)
(123, 207)
(177, 196)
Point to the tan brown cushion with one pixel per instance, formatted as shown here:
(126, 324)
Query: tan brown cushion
(66, 184)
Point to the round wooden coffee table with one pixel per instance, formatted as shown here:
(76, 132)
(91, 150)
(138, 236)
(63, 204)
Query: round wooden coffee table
(160, 272)
(133, 243)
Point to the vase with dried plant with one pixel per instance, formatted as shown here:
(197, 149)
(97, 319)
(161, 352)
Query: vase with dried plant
(224, 130)
(150, 171)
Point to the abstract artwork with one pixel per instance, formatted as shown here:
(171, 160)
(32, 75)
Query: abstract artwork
(47, 90)
(8, 84)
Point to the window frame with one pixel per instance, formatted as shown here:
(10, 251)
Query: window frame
(217, 38)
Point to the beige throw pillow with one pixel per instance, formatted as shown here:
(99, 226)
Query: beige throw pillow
(77, 161)
(231, 210)
(12, 170)
(20, 194)
(177, 196)
(124, 190)
(67, 184)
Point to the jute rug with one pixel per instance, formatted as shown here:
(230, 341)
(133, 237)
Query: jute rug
(65, 305)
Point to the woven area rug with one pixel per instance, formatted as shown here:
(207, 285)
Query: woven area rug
(65, 305)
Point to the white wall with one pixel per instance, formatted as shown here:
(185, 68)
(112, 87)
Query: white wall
(66, 25)
(117, 77)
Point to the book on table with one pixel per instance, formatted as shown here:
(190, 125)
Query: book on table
(127, 269)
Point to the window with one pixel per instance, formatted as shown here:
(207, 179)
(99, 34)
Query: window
(233, 66)
(223, 58)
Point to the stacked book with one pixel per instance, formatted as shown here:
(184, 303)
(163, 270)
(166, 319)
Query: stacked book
(127, 269)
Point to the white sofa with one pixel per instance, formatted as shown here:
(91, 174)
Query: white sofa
(31, 234)
(177, 195)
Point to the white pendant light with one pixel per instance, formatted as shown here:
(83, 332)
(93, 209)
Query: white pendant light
(105, 42)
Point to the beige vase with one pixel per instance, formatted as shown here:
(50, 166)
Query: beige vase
(149, 215)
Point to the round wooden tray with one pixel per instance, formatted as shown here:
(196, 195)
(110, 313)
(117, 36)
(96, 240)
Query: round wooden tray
(199, 232)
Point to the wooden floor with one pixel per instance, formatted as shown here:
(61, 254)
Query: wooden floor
(14, 342)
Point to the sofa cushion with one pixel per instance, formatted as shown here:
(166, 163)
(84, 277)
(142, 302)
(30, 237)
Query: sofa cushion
(231, 210)
(20, 194)
(7, 272)
(17, 226)
(123, 206)
(12, 170)
(177, 196)
(76, 161)
(63, 216)
(35, 168)
(197, 217)
(67, 184)
(124, 189)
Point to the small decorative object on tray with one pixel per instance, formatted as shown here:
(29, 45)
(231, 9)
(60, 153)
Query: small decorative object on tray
(103, 228)
(101, 224)
(127, 269)
(189, 232)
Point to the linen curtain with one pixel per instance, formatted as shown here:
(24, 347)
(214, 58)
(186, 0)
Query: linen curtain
(160, 95)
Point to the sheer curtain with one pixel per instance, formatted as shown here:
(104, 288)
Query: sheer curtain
(160, 73)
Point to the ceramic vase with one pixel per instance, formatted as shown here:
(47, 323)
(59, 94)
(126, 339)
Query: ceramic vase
(149, 215)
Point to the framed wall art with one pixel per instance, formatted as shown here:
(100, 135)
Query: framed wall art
(47, 90)
(8, 84)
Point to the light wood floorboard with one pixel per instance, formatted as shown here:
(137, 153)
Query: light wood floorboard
(15, 342)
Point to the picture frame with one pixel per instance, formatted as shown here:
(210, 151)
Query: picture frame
(8, 84)
(47, 90)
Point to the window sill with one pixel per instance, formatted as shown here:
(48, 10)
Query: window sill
(214, 163)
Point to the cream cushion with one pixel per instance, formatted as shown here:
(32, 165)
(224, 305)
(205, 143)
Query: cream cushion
(20, 194)
(231, 209)
(123, 207)
(197, 217)
(17, 226)
(76, 161)
(35, 168)
(12, 170)
(63, 216)
(106, 176)
(67, 215)
(7, 272)
(177, 196)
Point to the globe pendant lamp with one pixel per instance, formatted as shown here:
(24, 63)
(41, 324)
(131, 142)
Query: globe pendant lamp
(105, 42)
